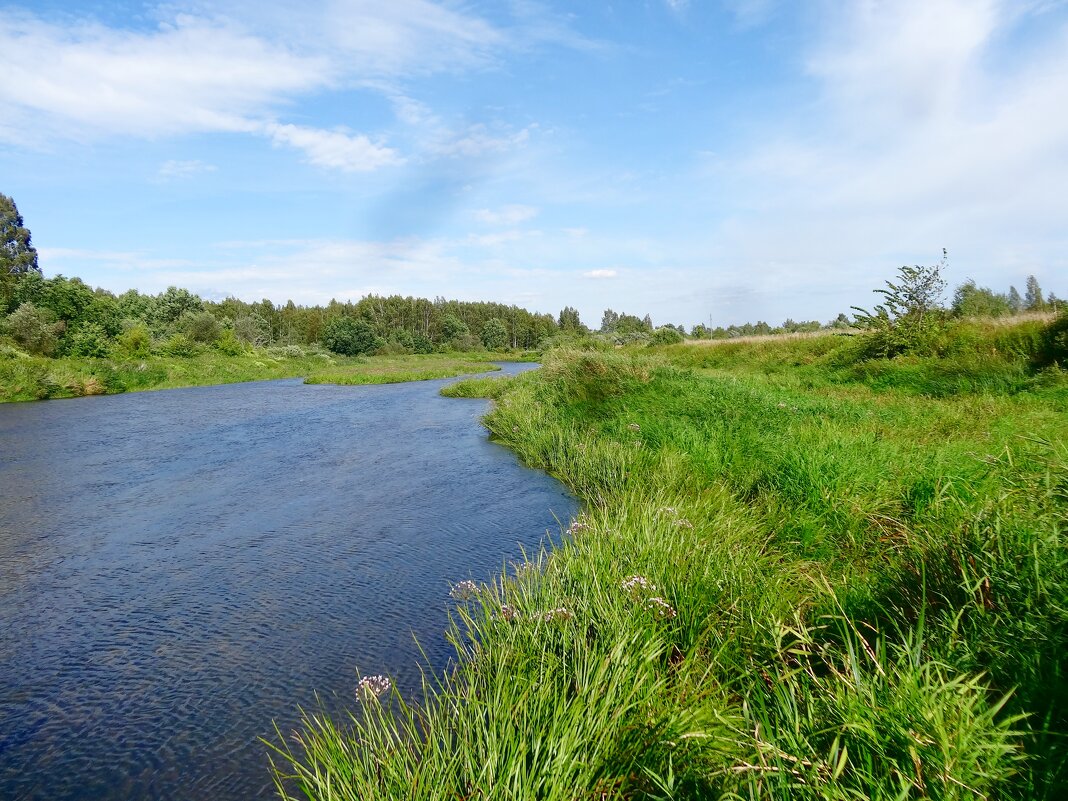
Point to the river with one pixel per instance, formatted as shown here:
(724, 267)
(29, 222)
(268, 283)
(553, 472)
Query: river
(180, 569)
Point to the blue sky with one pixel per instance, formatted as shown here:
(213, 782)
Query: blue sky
(730, 160)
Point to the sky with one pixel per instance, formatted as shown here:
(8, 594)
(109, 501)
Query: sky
(701, 161)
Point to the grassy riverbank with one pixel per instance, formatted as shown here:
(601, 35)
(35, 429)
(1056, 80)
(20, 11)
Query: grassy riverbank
(799, 575)
(36, 378)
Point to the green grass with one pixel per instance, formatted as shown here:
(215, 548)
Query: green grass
(849, 589)
(25, 378)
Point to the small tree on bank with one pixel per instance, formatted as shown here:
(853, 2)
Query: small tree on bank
(911, 316)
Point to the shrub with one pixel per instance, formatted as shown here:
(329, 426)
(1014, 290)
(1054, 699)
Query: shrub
(350, 336)
(89, 340)
(1053, 344)
(33, 329)
(135, 340)
(200, 326)
(912, 318)
(181, 346)
(228, 343)
(666, 335)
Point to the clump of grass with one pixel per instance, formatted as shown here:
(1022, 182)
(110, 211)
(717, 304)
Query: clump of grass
(491, 388)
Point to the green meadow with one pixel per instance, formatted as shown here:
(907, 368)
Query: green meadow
(800, 573)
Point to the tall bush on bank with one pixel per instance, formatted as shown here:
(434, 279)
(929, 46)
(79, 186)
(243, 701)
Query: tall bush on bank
(911, 318)
(34, 329)
(350, 336)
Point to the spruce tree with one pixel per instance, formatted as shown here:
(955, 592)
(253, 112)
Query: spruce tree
(1033, 300)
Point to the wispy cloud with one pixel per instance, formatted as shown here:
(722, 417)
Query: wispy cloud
(506, 215)
(176, 169)
(601, 274)
(334, 149)
(924, 134)
(190, 75)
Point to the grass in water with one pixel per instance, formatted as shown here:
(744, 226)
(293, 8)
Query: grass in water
(36, 378)
(792, 579)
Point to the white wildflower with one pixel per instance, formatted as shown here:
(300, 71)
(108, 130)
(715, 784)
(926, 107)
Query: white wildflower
(637, 584)
(372, 687)
(464, 590)
(660, 607)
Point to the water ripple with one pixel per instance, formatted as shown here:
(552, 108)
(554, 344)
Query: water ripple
(179, 569)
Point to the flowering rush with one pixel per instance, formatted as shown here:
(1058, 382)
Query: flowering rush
(560, 613)
(372, 687)
(638, 584)
(661, 608)
(464, 590)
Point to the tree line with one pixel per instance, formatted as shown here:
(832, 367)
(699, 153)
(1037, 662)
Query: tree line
(62, 316)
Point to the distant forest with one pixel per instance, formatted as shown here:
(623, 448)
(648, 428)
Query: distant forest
(65, 317)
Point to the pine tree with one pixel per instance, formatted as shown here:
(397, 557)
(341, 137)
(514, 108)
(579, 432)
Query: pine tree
(1033, 300)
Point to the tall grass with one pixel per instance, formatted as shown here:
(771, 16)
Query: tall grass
(788, 582)
(36, 378)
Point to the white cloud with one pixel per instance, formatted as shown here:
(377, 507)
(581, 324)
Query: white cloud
(601, 274)
(334, 149)
(175, 169)
(191, 75)
(506, 215)
(925, 134)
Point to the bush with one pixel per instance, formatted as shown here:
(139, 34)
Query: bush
(912, 319)
(88, 340)
(666, 335)
(288, 352)
(135, 341)
(466, 343)
(1053, 344)
(33, 329)
(228, 343)
(350, 336)
(200, 326)
(181, 346)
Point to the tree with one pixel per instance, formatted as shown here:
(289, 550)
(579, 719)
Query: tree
(609, 321)
(452, 327)
(970, 300)
(911, 316)
(494, 334)
(700, 331)
(569, 320)
(350, 336)
(252, 329)
(17, 254)
(1015, 301)
(173, 303)
(1033, 300)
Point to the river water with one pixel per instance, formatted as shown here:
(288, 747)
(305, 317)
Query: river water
(181, 569)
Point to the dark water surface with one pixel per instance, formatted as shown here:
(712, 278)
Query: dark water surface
(180, 568)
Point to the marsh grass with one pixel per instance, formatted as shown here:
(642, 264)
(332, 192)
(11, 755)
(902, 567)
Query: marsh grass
(35, 378)
(789, 581)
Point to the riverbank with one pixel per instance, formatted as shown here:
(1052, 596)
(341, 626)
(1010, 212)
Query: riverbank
(37, 378)
(798, 576)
